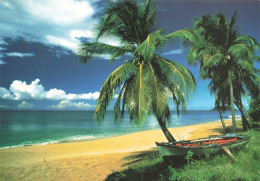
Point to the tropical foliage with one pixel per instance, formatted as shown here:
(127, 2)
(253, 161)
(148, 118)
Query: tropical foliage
(148, 165)
(227, 59)
(145, 83)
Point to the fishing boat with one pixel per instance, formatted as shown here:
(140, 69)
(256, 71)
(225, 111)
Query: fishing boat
(204, 146)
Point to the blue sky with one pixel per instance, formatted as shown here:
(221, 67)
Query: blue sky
(38, 41)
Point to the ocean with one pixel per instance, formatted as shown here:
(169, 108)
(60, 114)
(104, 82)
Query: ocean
(21, 128)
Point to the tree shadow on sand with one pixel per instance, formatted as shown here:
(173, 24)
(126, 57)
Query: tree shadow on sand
(142, 156)
(152, 166)
(229, 129)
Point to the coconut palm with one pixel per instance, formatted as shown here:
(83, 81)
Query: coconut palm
(144, 83)
(224, 54)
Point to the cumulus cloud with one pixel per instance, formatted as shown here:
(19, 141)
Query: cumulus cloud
(5, 94)
(20, 90)
(83, 96)
(67, 104)
(59, 22)
(55, 94)
(173, 52)
(25, 105)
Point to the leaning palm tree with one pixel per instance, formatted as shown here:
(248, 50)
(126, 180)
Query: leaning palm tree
(221, 48)
(144, 83)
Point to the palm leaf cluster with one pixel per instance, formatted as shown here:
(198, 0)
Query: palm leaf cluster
(145, 83)
(227, 59)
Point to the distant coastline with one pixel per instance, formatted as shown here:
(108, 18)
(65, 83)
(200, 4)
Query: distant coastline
(226, 109)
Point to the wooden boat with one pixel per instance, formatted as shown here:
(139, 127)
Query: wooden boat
(204, 146)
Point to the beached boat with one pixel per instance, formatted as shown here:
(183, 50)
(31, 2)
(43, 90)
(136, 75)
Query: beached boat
(205, 146)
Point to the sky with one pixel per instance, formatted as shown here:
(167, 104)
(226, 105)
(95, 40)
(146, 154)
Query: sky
(39, 69)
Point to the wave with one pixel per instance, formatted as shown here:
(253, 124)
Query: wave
(50, 142)
(236, 116)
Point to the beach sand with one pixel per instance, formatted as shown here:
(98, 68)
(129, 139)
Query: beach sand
(90, 160)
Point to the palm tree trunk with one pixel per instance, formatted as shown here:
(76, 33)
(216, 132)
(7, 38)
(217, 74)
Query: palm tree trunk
(220, 113)
(222, 120)
(166, 132)
(245, 123)
(249, 122)
(232, 102)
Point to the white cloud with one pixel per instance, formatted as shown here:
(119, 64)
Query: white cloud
(56, 94)
(2, 42)
(59, 12)
(55, 22)
(70, 44)
(13, 54)
(173, 52)
(5, 107)
(64, 104)
(2, 62)
(6, 4)
(83, 96)
(20, 90)
(19, 54)
(109, 41)
(5, 94)
(25, 105)
(81, 33)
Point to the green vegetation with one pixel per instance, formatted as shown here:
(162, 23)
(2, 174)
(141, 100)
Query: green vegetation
(219, 167)
(227, 59)
(254, 106)
(145, 82)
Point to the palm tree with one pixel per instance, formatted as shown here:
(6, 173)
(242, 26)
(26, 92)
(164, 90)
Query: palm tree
(146, 82)
(223, 53)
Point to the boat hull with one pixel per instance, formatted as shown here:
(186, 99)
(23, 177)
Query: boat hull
(172, 149)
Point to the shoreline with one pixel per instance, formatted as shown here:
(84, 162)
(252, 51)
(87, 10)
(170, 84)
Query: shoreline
(93, 139)
(90, 160)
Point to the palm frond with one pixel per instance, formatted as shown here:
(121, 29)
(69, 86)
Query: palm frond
(212, 61)
(185, 34)
(111, 84)
(241, 51)
(193, 55)
(126, 100)
(233, 21)
(88, 51)
(140, 98)
(118, 103)
(179, 74)
(257, 58)
(128, 21)
(147, 48)
(159, 98)
(247, 40)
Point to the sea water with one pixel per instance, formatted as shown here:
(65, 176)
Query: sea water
(20, 128)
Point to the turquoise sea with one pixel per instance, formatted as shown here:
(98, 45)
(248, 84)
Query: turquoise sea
(20, 128)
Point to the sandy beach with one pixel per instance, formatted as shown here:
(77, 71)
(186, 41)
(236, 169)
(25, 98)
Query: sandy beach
(90, 160)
